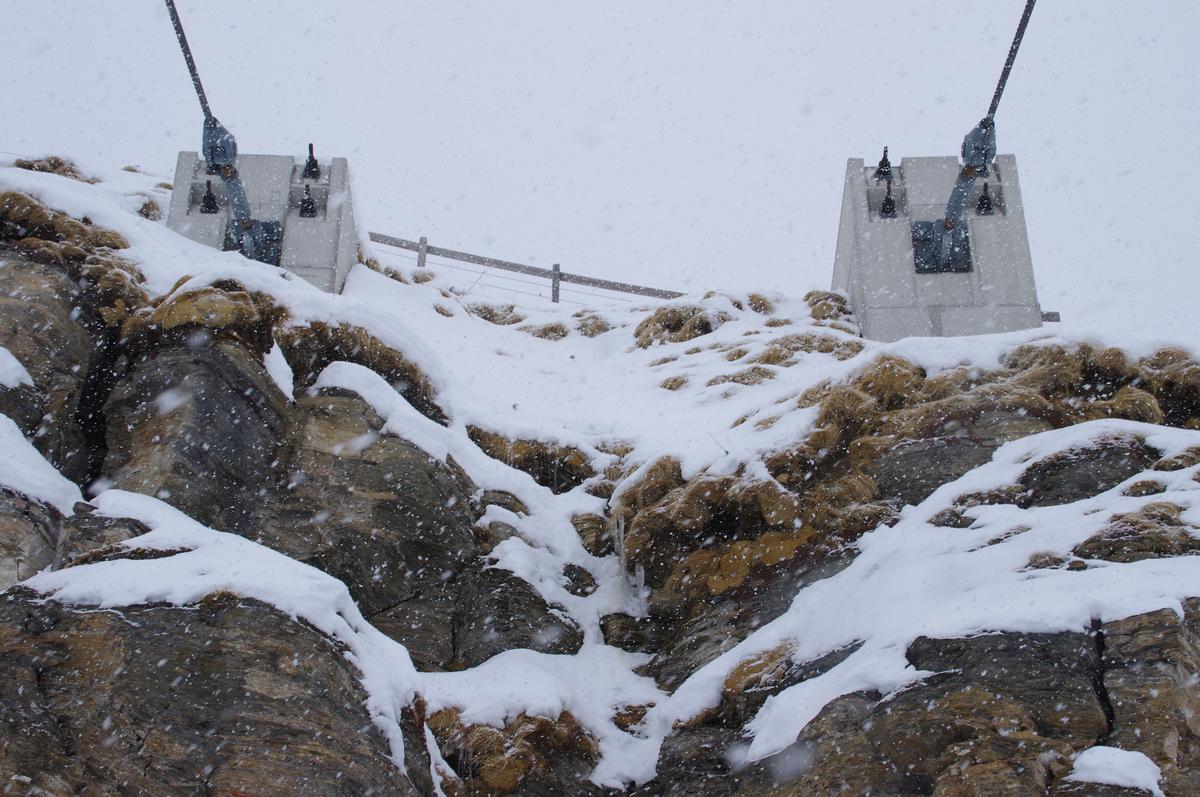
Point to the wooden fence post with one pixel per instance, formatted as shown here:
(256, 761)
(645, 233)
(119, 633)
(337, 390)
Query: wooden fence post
(424, 244)
(554, 280)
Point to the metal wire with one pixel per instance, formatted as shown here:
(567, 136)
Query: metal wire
(187, 56)
(1012, 56)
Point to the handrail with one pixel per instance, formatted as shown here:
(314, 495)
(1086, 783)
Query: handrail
(554, 275)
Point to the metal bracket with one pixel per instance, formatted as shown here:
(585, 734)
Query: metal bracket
(262, 242)
(927, 241)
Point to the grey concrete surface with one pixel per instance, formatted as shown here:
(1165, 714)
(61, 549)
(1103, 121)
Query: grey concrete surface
(320, 250)
(874, 260)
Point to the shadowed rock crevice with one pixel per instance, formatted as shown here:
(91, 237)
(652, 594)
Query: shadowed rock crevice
(1098, 681)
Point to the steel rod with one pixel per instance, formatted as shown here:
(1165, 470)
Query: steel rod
(187, 56)
(1012, 56)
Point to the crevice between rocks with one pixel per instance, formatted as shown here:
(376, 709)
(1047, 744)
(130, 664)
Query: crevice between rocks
(1098, 679)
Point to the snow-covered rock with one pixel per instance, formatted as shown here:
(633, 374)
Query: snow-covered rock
(720, 545)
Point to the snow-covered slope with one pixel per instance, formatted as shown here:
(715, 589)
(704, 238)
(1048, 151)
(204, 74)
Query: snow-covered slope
(720, 403)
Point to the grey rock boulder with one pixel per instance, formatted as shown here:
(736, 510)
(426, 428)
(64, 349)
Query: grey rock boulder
(1085, 472)
(43, 326)
(244, 701)
(29, 533)
(199, 427)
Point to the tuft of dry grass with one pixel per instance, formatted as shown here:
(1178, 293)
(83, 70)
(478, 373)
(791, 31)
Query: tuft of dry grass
(553, 331)
(674, 382)
(53, 164)
(36, 227)
(558, 467)
(753, 375)
(782, 351)
(760, 304)
(502, 315)
(590, 324)
(150, 210)
(675, 324)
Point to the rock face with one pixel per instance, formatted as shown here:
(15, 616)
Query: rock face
(197, 426)
(911, 471)
(34, 536)
(1003, 715)
(41, 324)
(1086, 472)
(1151, 670)
(499, 612)
(397, 527)
(227, 698)
(203, 427)
(29, 534)
(376, 512)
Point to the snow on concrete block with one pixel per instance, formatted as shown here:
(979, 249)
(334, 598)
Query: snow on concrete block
(320, 249)
(875, 266)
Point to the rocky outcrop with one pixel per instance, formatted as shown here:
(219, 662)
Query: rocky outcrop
(1085, 472)
(29, 534)
(199, 427)
(1152, 532)
(1006, 711)
(496, 611)
(553, 465)
(397, 527)
(1151, 667)
(41, 325)
(310, 348)
(1003, 714)
(35, 536)
(228, 697)
(528, 756)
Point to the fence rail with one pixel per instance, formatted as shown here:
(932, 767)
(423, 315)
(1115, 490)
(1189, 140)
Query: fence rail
(556, 275)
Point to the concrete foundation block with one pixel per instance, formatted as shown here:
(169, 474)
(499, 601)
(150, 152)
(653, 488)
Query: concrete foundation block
(874, 261)
(320, 250)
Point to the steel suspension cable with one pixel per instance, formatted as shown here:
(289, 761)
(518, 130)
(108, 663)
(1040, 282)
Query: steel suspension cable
(187, 56)
(1012, 56)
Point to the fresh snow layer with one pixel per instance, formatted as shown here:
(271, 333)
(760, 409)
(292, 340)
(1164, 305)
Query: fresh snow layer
(12, 373)
(280, 372)
(593, 685)
(1116, 767)
(23, 469)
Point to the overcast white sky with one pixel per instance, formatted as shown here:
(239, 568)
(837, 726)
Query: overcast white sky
(680, 144)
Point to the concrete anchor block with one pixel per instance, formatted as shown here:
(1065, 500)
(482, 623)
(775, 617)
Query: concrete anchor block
(320, 249)
(874, 262)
